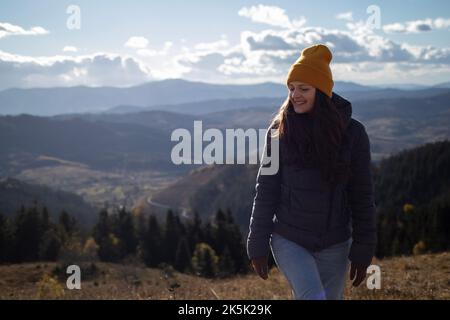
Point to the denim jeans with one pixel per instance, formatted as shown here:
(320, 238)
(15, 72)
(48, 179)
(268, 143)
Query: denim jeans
(317, 275)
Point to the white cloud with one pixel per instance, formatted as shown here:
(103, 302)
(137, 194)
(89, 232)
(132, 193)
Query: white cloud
(394, 28)
(8, 29)
(360, 54)
(153, 52)
(441, 23)
(99, 69)
(270, 15)
(348, 16)
(212, 46)
(136, 42)
(417, 26)
(375, 73)
(269, 53)
(69, 49)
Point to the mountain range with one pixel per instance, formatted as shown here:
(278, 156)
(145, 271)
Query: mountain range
(122, 150)
(160, 95)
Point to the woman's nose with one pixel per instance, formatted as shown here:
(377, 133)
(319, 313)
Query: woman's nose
(296, 93)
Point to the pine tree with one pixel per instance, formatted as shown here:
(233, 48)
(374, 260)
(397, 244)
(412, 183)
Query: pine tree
(235, 243)
(208, 234)
(227, 234)
(67, 223)
(220, 233)
(126, 233)
(5, 239)
(45, 220)
(50, 245)
(110, 249)
(182, 256)
(171, 237)
(229, 217)
(226, 264)
(103, 228)
(152, 243)
(194, 232)
(27, 235)
(109, 246)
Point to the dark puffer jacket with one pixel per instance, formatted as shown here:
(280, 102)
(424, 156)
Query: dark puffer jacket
(297, 204)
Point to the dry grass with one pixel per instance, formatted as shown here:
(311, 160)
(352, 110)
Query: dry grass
(418, 277)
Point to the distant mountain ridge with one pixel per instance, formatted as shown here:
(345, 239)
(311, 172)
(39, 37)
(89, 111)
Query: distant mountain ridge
(101, 140)
(80, 99)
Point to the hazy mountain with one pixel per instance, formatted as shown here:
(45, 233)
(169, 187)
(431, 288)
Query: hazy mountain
(417, 107)
(391, 93)
(442, 85)
(62, 100)
(345, 86)
(101, 145)
(122, 109)
(162, 121)
(351, 92)
(217, 105)
(176, 95)
(102, 140)
(52, 101)
(202, 107)
(14, 193)
(405, 86)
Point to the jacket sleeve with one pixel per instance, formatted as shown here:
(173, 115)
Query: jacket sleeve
(265, 203)
(362, 204)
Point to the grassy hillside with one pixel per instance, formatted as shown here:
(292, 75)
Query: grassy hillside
(417, 277)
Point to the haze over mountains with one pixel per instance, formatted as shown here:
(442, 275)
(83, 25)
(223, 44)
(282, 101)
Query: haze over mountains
(113, 144)
(157, 95)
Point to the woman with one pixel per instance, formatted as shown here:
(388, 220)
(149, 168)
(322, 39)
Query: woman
(317, 213)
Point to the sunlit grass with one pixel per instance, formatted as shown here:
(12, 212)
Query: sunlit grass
(416, 277)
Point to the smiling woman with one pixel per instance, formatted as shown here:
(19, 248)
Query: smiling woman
(322, 196)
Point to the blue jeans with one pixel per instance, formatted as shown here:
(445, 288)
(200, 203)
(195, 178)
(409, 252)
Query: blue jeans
(317, 275)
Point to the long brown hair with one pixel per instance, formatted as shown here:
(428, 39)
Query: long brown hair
(321, 143)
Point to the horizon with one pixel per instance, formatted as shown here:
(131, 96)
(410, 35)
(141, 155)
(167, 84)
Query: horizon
(373, 86)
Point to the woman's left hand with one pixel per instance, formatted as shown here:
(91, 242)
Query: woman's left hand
(357, 273)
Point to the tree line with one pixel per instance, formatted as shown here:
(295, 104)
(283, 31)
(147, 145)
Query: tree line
(212, 249)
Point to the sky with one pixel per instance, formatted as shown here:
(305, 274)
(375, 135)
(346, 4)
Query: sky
(125, 43)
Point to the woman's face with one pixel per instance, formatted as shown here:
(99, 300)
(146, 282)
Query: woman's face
(302, 96)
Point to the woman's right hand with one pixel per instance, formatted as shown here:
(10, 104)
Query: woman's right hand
(260, 265)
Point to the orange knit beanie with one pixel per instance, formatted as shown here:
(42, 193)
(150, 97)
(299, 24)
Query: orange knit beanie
(313, 68)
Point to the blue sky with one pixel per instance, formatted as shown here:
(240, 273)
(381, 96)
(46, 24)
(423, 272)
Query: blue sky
(124, 43)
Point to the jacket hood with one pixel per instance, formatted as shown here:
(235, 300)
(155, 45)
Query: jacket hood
(343, 106)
